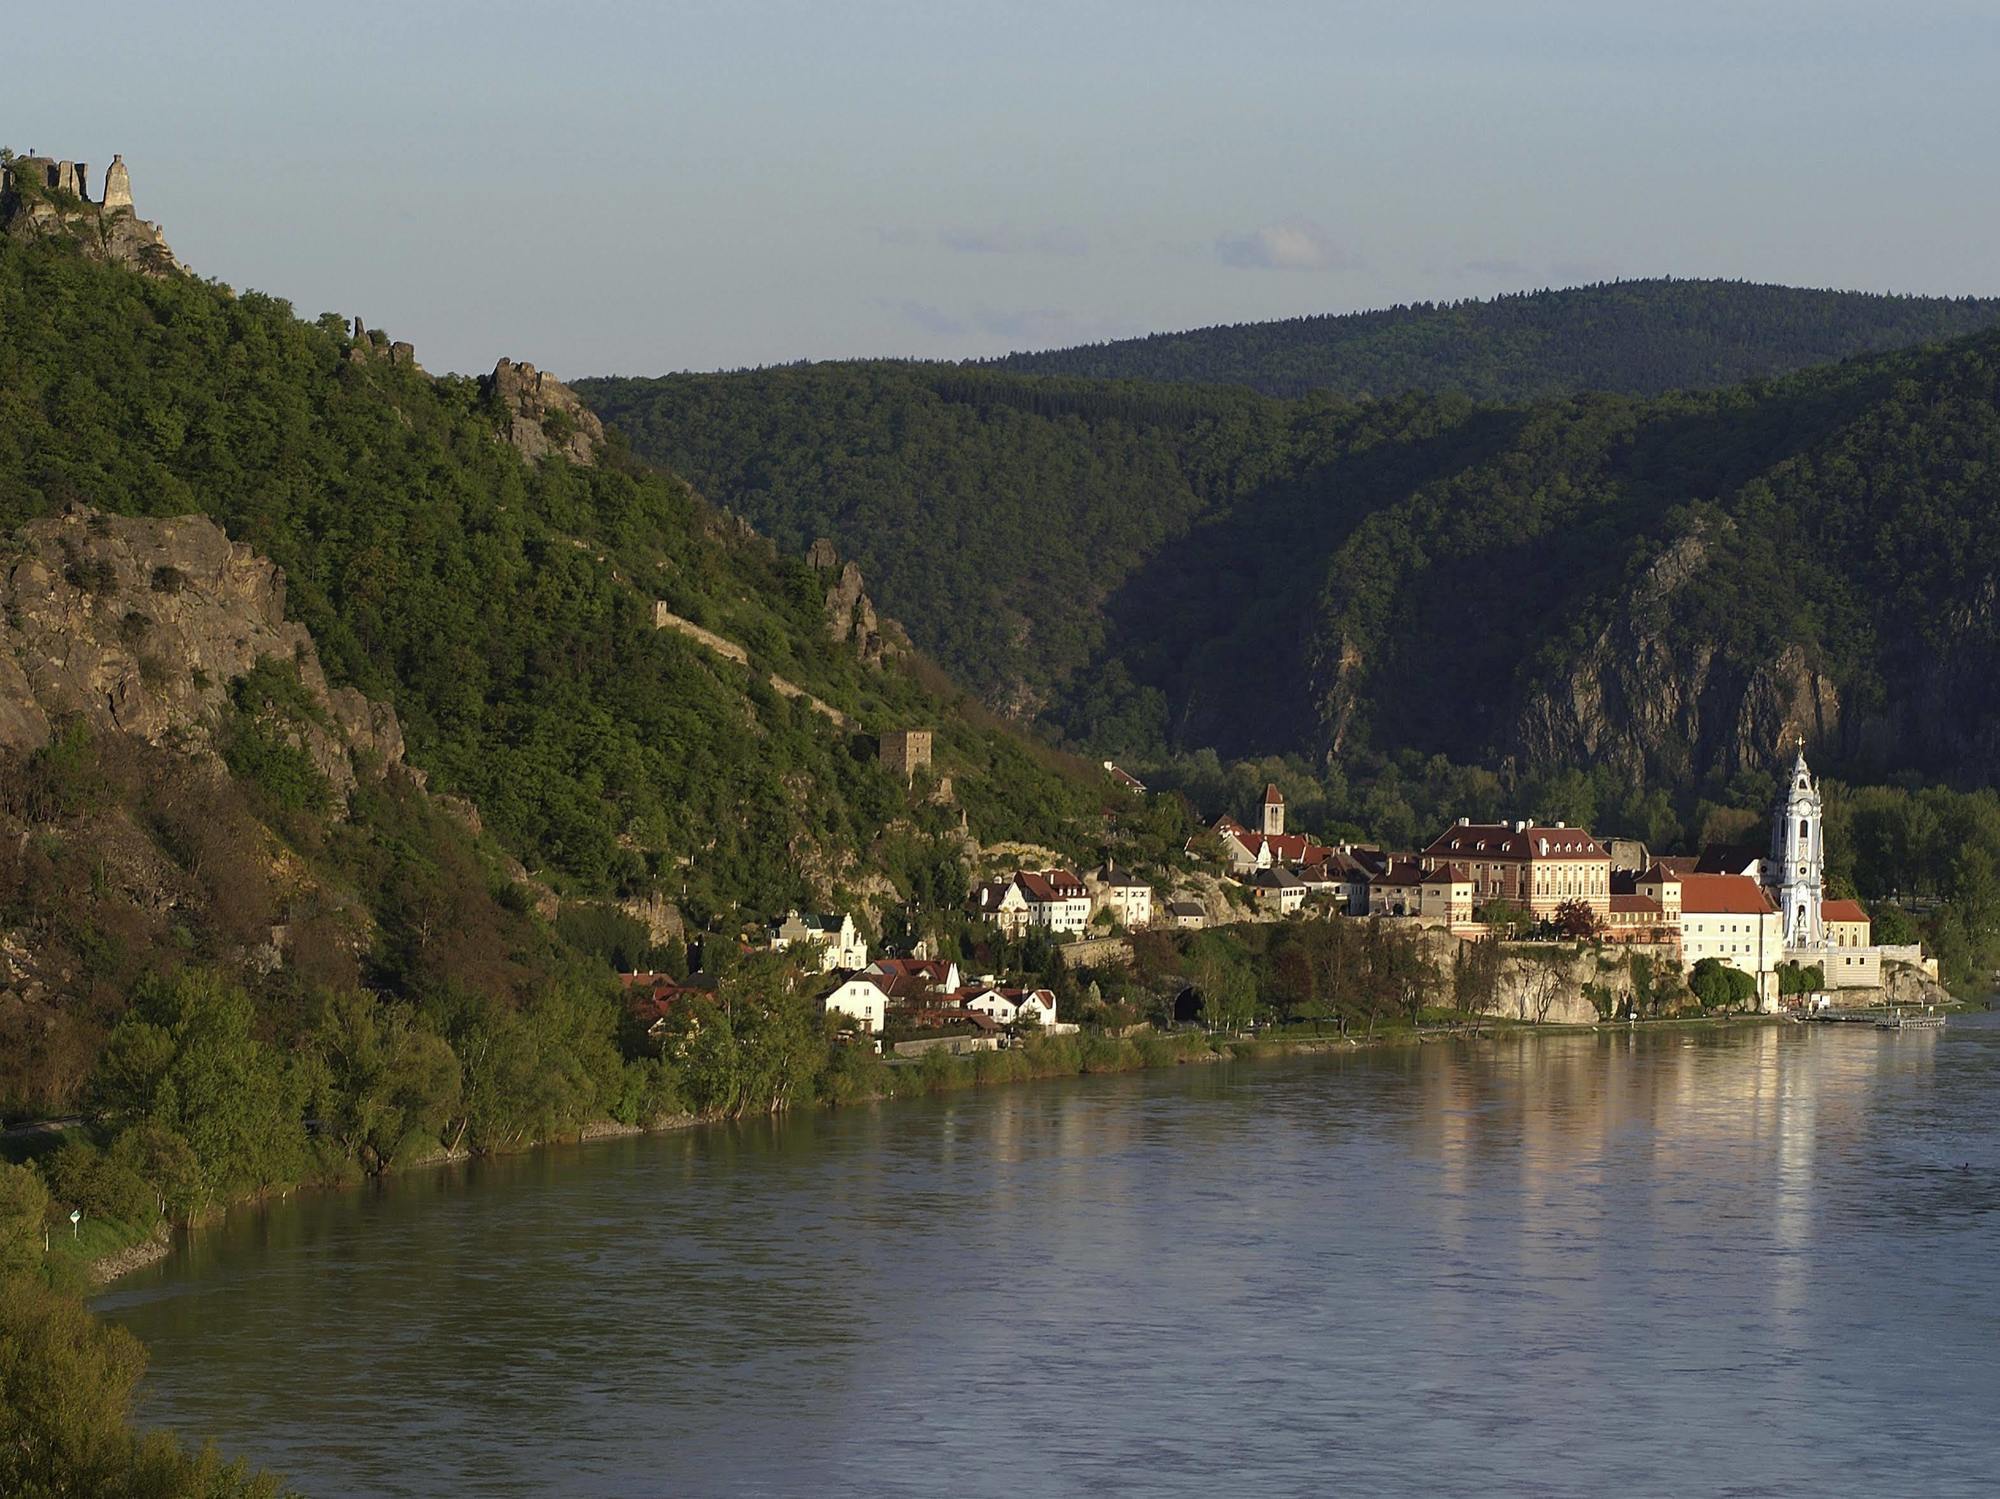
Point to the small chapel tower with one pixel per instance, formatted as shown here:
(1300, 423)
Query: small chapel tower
(1795, 872)
(1274, 811)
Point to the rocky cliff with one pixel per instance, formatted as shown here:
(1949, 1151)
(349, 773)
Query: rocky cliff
(543, 416)
(139, 627)
(1667, 708)
(44, 199)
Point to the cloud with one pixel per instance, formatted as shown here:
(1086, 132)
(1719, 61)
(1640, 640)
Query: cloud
(1295, 245)
(1006, 239)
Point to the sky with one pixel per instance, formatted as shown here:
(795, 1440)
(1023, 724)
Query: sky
(637, 188)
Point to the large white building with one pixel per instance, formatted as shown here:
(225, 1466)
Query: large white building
(1730, 917)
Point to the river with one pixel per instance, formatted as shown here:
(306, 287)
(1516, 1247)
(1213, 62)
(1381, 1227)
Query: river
(1752, 1261)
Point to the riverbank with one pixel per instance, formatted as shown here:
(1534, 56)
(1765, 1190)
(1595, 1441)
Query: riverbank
(104, 1252)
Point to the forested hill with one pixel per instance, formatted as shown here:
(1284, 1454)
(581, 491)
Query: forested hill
(1630, 337)
(1664, 586)
(501, 603)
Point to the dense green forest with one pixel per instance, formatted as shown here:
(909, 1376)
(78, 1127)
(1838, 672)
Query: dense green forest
(504, 608)
(1628, 337)
(1665, 584)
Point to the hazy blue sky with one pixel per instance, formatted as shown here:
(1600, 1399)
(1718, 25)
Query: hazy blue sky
(645, 187)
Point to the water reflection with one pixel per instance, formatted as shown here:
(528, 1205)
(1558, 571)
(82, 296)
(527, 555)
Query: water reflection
(1668, 1263)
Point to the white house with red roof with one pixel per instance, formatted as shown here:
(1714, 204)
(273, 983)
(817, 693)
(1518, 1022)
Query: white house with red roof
(1057, 900)
(1010, 1006)
(1731, 918)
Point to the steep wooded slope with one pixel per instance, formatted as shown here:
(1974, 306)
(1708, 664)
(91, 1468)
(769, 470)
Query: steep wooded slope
(499, 609)
(1669, 583)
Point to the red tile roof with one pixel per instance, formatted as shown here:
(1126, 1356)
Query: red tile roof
(1272, 795)
(1843, 910)
(1448, 874)
(1049, 886)
(1635, 905)
(1723, 895)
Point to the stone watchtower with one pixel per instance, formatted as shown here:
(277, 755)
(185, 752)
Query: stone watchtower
(1274, 811)
(906, 751)
(1795, 872)
(117, 185)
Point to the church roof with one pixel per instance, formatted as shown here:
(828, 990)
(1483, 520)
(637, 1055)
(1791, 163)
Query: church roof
(1843, 910)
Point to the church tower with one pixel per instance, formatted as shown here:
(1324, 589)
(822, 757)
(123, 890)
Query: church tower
(1795, 872)
(1274, 811)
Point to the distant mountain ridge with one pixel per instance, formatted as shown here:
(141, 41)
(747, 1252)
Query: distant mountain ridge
(1642, 337)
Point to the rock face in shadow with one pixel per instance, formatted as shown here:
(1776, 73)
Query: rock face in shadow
(1667, 709)
(139, 626)
(543, 415)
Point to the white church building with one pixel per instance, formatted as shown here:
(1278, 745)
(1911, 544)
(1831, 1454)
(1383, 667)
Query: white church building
(1837, 934)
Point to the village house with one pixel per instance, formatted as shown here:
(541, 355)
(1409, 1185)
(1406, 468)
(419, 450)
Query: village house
(651, 998)
(1057, 900)
(1528, 865)
(1248, 852)
(1125, 779)
(1054, 900)
(865, 997)
(837, 943)
(1006, 1006)
(1278, 890)
(1445, 894)
(1129, 900)
(933, 973)
(1187, 915)
(1398, 890)
(1002, 902)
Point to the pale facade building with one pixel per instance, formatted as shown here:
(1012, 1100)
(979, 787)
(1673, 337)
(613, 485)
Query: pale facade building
(864, 998)
(835, 941)
(1731, 918)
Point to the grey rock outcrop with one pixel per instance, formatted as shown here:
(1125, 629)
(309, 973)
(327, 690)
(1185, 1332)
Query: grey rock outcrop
(543, 415)
(139, 626)
(850, 614)
(41, 198)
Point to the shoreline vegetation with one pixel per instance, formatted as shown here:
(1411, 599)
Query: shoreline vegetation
(1042, 1059)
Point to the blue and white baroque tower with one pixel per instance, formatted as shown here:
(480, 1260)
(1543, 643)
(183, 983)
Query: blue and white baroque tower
(1795, 872)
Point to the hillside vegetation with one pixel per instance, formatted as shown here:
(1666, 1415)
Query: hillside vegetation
(1666, 586)
(1629, 337)
(575, 756)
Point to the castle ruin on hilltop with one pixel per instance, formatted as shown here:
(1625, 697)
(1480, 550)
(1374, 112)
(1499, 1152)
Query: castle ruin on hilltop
(45, 198)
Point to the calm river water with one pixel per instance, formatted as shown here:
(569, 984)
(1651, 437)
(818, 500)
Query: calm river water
(1755, 1261)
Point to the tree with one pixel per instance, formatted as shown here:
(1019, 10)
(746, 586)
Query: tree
(24, 1208)
(185, 1060)
(66, 1384)
(1228, 988)
(1575, 920)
